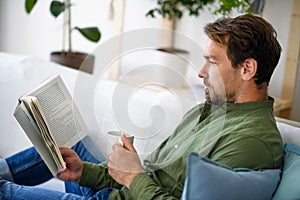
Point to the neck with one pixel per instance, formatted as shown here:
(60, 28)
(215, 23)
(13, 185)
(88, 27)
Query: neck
(251, 93)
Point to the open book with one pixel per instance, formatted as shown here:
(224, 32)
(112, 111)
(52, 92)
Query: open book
(51, 120)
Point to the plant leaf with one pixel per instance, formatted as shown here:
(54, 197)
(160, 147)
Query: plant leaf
(29, 4)
(57, 7)
(176, 8)
(91, 33)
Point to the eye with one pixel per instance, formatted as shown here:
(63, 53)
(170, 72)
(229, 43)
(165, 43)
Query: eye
(211, 63)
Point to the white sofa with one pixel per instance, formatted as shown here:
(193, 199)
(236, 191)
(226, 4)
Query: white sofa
(147, 110)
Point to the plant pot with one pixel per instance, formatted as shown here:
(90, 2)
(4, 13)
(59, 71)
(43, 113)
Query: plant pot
(172, 72)
(77, 60)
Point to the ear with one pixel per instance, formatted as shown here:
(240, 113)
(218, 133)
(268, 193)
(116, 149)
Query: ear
(249, 68)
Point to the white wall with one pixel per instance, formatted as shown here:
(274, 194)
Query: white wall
(39, 33)
(278, 13)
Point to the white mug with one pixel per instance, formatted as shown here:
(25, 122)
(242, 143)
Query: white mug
(114, 136)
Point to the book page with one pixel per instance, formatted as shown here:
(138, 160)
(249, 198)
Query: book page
(28, 123)
(32, 104)
(62, 115)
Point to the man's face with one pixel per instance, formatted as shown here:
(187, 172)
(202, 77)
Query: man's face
(221, 80)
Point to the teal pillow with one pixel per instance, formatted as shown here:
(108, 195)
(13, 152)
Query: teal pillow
(289, 187)
(209, 180)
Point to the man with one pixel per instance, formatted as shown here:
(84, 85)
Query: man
(235, 126)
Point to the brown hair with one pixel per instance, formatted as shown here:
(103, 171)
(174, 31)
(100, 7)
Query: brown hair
(248, 36)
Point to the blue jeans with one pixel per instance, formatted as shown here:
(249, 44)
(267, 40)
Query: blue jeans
(28, 169)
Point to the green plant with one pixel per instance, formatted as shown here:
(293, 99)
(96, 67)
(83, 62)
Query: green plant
(58, 7)
(176, 8)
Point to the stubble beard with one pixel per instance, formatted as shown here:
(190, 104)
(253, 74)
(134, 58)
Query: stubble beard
(218, 99)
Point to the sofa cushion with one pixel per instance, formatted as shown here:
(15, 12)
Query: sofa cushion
(289, 187)
(209, 180)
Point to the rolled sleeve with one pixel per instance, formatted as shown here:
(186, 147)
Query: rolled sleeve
(144, 187)
(96, 176)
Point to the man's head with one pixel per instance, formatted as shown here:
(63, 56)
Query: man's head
(244, 52)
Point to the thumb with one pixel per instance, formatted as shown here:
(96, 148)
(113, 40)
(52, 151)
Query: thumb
(66, 152)
(127, 143)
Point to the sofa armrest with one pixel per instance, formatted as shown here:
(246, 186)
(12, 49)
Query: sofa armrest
(289, 130)
(289, 122)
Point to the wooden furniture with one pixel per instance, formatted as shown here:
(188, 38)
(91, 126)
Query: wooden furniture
(292, 63)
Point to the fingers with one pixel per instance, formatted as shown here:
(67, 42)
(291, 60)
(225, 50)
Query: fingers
(123, 161)
(127, 144)
(70, 156)
(116, 146)
(61, 176)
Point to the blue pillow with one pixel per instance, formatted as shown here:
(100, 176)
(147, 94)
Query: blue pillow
(289, 187)
(209, 180)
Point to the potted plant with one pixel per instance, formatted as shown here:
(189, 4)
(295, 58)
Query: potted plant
(173, 10)
(69, 57)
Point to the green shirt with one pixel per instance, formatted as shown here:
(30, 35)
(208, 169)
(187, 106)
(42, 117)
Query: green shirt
(233, 134)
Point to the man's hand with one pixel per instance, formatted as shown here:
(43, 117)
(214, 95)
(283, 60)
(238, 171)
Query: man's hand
(74, 166)
(124, 163)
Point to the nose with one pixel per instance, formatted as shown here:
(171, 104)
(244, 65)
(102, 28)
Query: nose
(203, 71)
